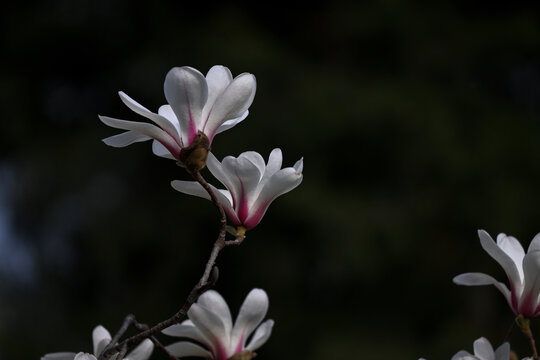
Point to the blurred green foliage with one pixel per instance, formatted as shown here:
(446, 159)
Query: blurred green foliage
(418, 122)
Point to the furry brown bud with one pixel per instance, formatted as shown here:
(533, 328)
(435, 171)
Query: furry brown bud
(193, 157)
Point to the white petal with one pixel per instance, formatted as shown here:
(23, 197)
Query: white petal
(299, 165)
(161, 151)
(84, 356)
(252, 311)
(214, 302)
(142, 351)
(162, 122)
(232, 103)
(217, 79)
(502, 258)
(216, 168)
(194, 188)
(463, 355)
(262, 334)
(278, 184)
(535, 243)
(511, 246)
(245, 176)
(231, 123)
(190, 188)
(503, 352)
(256, 159)
(211, 326)
(143, 128)
(125, 139)
(479, 279)
(59, 356)
(186, 91)
(531, 287)
(100, 338)
(274, 164)
(483, 349)
(187, 330)
(167, 112)
(185, 349)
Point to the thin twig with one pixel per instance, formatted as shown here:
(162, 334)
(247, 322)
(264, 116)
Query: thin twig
(179, 316)
(203, 285)
(162, 348)
(122, 353)
(525, 325)
(128, 320)
(220, 242)
(141, 327)
(239, 239)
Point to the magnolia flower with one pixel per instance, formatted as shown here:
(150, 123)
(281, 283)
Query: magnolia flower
(484, 351)
(210, 324)
(101, 338)
(195, 104)
(251, 184)
(522, 271)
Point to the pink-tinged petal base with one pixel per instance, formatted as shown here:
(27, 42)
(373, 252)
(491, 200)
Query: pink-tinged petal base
(240, 346)
(526, 308)
(243, 207)
(256, 216)
(514, 299)
(220, 350)
(536, 311)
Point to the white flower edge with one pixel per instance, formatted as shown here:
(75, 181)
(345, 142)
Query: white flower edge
(100, 339)
(210, 324)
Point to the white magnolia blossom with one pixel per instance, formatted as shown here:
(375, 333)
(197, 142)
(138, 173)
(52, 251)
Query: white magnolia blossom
(251, 184)
(522, 271)
(484, 351)
(210, 325)
(101, 338)
(210, 104)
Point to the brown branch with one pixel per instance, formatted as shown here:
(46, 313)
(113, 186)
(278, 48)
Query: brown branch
(207, 281)
(128, 320)
(122, 353)
(525, 326)
(142, 327)
(176, 318)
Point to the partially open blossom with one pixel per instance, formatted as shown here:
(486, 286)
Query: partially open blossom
(251, 184)
(210, 325)
(196, 104)
(101, 338)
(484, 351)
(522, 271)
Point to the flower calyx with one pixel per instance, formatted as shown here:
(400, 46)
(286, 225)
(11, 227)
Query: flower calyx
(193, 157)
(244, 355)
(239, 232)
(524, 324)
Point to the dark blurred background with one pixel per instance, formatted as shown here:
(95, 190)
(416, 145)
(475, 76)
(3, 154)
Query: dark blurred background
(418, 122)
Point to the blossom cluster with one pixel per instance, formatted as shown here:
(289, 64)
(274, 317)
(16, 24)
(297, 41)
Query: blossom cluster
(523, 272)
(206, 106)
(101, 338)
(198, 108)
